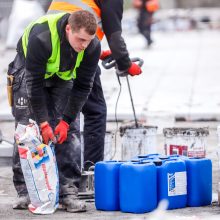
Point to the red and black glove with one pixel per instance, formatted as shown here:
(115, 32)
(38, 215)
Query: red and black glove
(47, 132)
(134, 69)
(61, 131)
(105, 54)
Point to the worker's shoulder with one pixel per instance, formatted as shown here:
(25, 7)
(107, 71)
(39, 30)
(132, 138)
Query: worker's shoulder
(40, 32)
(94, 47)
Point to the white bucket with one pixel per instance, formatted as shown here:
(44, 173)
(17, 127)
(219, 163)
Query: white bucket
(108, 152)
(189, 142)
(138, 141)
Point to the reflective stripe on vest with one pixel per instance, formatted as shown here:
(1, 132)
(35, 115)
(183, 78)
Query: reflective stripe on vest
(76, 5)
(53, 63)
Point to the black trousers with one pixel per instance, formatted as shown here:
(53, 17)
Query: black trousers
(94, 112)
(144, 24)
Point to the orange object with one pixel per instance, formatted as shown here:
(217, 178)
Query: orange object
(66, 6)
(152, 5)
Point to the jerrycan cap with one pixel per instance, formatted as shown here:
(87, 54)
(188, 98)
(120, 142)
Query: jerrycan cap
(142, 156)
(145, 162)
(157, 162)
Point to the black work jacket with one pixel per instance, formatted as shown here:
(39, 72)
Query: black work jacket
(111, 16)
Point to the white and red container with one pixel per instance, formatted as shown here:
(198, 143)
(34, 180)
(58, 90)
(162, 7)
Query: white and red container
(189, 142)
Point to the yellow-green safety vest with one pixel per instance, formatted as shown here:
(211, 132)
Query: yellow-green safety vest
(53, 63)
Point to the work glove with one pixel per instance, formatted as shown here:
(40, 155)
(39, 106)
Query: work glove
(47, 133)
(133, 70)
(105, 54)
(61, 131)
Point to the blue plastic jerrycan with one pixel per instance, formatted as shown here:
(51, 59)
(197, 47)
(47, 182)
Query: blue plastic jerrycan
(138, 187)
(172, 182)
(199, 181)
(107, 185)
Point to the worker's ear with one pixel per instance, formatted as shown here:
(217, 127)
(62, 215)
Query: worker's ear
(68, 28)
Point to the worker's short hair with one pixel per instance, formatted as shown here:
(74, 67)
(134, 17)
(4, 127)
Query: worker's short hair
(83, 19)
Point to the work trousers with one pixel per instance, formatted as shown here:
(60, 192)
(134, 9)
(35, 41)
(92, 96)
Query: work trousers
(94, 112)
(144, 24)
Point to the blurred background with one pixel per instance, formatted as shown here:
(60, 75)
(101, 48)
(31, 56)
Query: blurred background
(173, 14)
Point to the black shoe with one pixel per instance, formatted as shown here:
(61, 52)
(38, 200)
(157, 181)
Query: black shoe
(71, 203)
(149, 43)
(22, 202)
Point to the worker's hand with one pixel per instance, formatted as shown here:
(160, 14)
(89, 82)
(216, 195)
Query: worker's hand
(134, 69)
(105, 54)
(61, 131)
(47, 133)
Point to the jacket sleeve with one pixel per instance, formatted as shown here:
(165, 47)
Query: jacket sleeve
(111, 15)
(35, 69)
(84, 81)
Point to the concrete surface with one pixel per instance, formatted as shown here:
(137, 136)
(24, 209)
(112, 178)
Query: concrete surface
(8, 194)
(177, 77)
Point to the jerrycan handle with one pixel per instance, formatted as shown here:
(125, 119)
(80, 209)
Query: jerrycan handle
(170, 159)
(174, 155)
(144, 162)
(150, 155)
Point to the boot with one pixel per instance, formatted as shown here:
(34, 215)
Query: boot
(71, 203)
(149, 43)
(22, 202)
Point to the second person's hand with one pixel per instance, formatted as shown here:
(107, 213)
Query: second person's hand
(134, 69)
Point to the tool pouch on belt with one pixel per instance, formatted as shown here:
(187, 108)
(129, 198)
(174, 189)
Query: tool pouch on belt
(14, 77)
(10, 79)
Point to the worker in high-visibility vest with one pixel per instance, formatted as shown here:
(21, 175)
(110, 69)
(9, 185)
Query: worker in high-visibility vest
(108, 13)
(52, 52)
